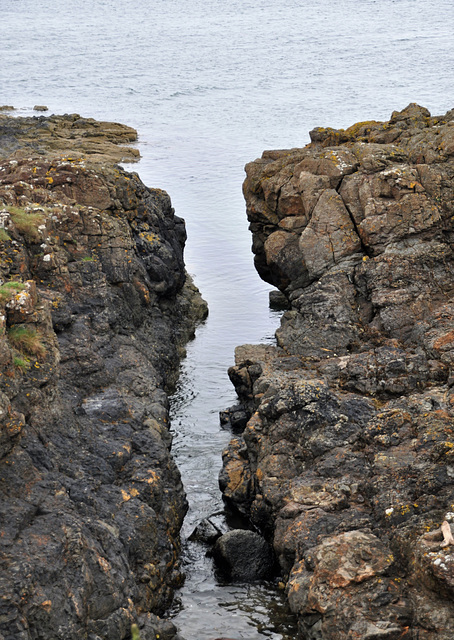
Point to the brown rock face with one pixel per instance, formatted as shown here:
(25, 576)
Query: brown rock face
(94, 313)
(346, 460)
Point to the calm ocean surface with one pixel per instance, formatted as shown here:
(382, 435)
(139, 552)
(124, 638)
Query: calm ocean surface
(209, 85)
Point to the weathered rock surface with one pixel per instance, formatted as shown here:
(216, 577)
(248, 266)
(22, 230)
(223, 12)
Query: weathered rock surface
(346, 462)
(95, 309)
(68, 135)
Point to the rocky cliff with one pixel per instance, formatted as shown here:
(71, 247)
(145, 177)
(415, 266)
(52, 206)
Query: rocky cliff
(95, 309)
(347, 459)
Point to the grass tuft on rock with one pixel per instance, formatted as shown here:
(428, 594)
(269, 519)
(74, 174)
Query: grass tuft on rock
(27, 340)
(27, 222)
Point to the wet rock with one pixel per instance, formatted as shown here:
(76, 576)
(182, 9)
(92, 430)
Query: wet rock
(210, 529)
(95, 312)
(235, 417)
(244, 556)
(348, 448)
(278, 301)
(235, 478)
(152, 627)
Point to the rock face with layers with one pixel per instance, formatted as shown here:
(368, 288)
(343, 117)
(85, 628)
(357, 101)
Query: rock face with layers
(95, 309)
(346, 462)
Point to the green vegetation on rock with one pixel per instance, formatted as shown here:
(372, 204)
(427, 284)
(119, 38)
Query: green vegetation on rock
(27, 340)
(27, 222)
(9, 289)
(21, 363)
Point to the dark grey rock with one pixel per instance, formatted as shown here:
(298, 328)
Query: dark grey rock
(91, 501)
(278, 300)
(244, 556)
(235, 417)
(209, 529)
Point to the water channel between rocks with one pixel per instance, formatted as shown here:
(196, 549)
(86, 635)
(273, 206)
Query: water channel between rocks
(218, 254)
(210, 85)
(206, 607)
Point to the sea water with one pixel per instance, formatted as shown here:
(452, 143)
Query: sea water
(209, 85)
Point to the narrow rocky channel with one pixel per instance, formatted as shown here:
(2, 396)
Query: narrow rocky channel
(208, 606)
(345, 463)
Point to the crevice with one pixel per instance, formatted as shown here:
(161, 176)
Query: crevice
(278, 195)
(364, 248)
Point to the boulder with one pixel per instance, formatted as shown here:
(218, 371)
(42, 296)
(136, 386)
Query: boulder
(244, 556)
(210, 529)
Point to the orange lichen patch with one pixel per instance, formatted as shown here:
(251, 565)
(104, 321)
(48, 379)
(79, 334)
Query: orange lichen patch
(443, 415)
(40, 540)
(47, 604)
(13, 427)
(442, 341)
(125, 495)
(150, 237)
(235, 474)
(141, 288)
(153, 477)
(105, 566)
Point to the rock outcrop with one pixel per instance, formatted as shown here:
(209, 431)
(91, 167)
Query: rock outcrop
(68, 135)
(95, 309)
(346, 462)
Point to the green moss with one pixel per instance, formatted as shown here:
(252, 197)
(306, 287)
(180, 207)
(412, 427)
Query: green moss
(21, 363)
(135, 635)
(4, 236)
(9, 289)
(362, 128)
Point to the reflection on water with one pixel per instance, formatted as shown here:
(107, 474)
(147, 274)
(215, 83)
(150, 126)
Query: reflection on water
(210, 609)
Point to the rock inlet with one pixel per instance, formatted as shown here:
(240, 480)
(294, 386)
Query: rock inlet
(95, 309)
(346, 463)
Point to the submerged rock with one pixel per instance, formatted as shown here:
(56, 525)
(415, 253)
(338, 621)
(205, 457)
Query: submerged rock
(244, 555)
(95, 309)
(345, 463)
